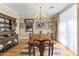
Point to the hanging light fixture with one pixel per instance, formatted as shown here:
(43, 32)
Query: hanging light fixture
(40, 16)
(40, 13)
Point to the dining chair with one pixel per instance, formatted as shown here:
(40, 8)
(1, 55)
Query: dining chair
(52, 36)
(36, 43)
(30, 35)
(29, 44)
(47, 43)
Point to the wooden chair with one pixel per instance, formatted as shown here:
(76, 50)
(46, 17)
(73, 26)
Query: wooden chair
(30, 36)
(36, 43)
(52, 36)
(46, 43)
(29, 44)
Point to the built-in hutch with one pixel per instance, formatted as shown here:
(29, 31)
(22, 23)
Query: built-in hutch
(8, 36)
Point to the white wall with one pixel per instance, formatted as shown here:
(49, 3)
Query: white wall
(78, 29)
(67, 28)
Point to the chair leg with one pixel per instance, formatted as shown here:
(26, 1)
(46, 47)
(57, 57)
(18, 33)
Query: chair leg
(29, 50)
(34, 50)
(52, 49)
(49, 51)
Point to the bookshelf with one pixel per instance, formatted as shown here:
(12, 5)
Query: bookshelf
(7, 31)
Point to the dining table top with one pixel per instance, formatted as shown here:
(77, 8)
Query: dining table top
(40, 37)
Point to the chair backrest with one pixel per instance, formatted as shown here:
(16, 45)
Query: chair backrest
(35, 43)
(47, 43)
(51, 36)
(30, 36)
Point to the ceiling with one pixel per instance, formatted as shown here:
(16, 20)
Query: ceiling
(29, 10)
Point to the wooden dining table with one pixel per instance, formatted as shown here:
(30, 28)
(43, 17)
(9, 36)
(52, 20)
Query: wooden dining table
(41, 38)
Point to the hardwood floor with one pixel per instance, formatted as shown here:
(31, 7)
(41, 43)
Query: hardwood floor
(15, 51)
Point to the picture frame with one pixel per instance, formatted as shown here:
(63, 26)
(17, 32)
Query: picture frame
(40, 24)
(48, 24)
(29, 25)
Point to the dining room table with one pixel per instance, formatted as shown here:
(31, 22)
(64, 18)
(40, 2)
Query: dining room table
(41, 38)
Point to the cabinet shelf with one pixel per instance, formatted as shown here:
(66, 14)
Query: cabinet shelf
(2, 22)
(7, 24)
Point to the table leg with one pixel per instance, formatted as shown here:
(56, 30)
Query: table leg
(41, 49)
(29, 50)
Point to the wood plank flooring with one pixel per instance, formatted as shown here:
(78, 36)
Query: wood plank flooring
(15, 51)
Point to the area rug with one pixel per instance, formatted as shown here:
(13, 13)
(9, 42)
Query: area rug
(25, 52)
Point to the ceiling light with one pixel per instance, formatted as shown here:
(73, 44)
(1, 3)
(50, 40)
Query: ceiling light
(40, 15)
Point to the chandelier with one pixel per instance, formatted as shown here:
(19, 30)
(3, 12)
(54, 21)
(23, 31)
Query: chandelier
(40, 13)
(40, 16)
